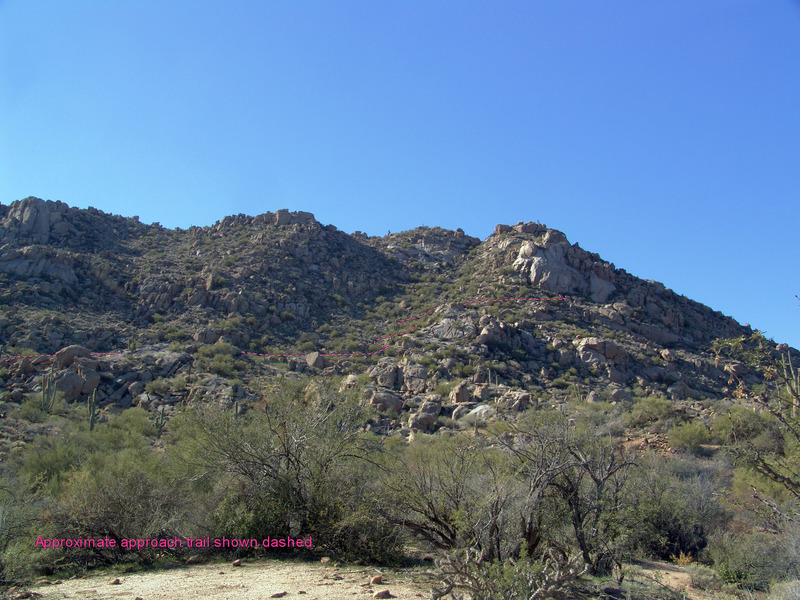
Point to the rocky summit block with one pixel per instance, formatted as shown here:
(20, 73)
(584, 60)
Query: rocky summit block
(66, 356)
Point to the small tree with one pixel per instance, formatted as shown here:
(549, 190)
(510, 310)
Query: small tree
(780, 397)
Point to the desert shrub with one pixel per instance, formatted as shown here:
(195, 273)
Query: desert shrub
(753, 560)
(464, 575)
(31, 410)
(48, 460)
(441, 490)
(650, 410)
(19, 510)
(443, 388)
(159, 386)
(785, 590)
(703, 577)
(689, 436)
(219, 348)
(744, 426)
(446, 422)
(296, 469)
(82, 484)
(673, 507)
(123, 495)
(219, 358)
(463, 370)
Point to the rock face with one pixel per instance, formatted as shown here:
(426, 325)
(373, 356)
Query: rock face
(314, 359)
(427, 415)
(556, 266)
(31, 218)
(386, 401)
(71, 385)
(460, 394)
(66, 356)
(414, 378)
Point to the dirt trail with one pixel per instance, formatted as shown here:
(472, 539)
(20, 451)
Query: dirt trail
(253, 581)
(674, 577)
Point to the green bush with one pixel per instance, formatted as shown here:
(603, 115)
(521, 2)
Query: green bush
(650, 410)
(123, 495)
(785, 590)
(297, 469)
(219, 348)
(159, 386)
(742, 425)
(703, 577)
(689, 436)
(754, 560)
(443, 388)
(31, 410)
(674, 507)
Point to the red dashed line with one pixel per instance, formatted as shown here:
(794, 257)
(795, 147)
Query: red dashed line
(400, 322)
(376, 342)
(40, 355)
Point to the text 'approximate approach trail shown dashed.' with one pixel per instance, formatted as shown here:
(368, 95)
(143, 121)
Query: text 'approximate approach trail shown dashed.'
(378, 341)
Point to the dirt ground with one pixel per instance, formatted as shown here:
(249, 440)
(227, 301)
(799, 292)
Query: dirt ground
(293, 580)
(255, 580)
(674, 577)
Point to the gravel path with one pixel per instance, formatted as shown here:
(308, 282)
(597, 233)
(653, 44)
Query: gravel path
(251, 581)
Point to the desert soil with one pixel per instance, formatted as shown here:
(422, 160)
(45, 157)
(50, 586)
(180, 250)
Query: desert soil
(293, 580)
(255, 580)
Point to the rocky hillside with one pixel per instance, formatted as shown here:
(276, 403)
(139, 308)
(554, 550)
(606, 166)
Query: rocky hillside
(144, 315)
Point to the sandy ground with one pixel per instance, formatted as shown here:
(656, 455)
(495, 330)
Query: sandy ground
(293, 580)
(255, 580)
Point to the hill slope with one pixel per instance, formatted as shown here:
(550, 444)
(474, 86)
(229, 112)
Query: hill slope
(188, 312)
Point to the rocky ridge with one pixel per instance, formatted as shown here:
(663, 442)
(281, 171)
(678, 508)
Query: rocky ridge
(182, 306)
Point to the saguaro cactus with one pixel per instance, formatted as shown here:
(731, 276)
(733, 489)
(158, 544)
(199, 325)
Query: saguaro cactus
(48, 392)
(94, 410)
(160, 421)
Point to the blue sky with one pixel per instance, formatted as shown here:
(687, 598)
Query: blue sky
(664, 136)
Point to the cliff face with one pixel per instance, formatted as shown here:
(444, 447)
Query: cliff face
(519, 318)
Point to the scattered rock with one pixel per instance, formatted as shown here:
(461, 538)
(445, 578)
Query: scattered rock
(115, 581)
(382, 594)
(414, 377)
(66, 356)
(70, 384)
(91, 380)
(237, 563)
(348, 382)
(386, 401)
(482, 412)
(376, 580)
(426, 417)
(462, 410)
(314, 359)
(460, 393)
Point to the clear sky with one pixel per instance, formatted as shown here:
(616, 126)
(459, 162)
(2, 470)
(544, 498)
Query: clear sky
(663, 135)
